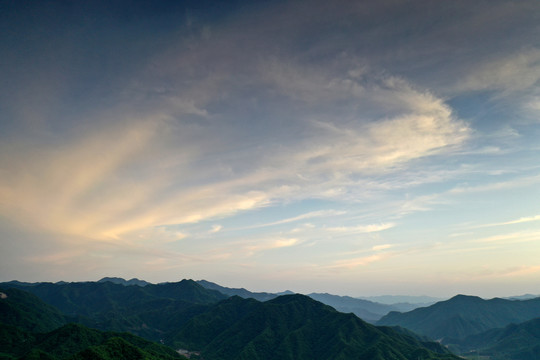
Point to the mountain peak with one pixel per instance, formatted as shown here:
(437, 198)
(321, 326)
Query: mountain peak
(465, 298)
(122, 281)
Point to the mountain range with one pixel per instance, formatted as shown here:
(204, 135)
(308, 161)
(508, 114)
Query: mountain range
(462, 316)
(185, 315)
(103, 319)
(369, 311)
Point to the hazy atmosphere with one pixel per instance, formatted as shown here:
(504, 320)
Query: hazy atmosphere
(356, 148)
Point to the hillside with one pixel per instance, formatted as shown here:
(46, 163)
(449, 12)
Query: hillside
(187, 316)
(243, 293)
(27, 311)
(75, 341)
(294, 327)
(513, 342)
(148, 311)
(367, 310)
(462, 316)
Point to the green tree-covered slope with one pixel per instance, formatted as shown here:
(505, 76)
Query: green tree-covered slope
(462, 316)
(148, 311)
(27, 311)
(74, 341)
(295, 327)
(513, 342)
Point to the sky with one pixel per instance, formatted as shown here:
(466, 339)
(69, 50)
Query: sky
(356, 148)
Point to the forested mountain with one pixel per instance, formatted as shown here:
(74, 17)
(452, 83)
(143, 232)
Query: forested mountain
(27, 311)
(295, 327)
(31, 329)
(367, 310)
(462, 316)
(74, 341)
(187, 316)
(148, 311)
(243, 293)
(513, 342)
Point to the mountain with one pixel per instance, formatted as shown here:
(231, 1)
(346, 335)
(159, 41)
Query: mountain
(25, 310)
(148, 311)
(31, 329)
(295, 327)
(76, 342)
(187, 316)
(523, 297)
(243, 293)
(89, 298)
(462, 316)
(120, 281)
(513, 342)
(366, 310)
(403, 299)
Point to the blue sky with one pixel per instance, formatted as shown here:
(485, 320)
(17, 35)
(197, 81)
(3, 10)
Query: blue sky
(378, 147)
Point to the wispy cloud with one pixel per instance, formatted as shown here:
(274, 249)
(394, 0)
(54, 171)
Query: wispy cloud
(269, 244)
(356, 262)
(516, 237)
(381, 247)
(515, 72)
(309, 215)
(361, 228)
(512, 222)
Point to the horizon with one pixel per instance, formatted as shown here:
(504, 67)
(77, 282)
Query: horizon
(382, 147)
(367, 297)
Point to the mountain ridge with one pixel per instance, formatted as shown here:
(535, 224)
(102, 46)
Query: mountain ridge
(463, 315)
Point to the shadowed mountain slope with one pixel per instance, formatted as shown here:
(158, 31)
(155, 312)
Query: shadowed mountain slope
(513, 342)
(27, 311)
(365, 309)
(149, 311)
(462, 316)
(73, 341)
(294, 327)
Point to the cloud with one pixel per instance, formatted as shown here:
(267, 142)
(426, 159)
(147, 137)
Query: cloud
(515, 72)
(521, 271)
(206, 131)
(361, 228)
(516, 182)
(309, 215)
(269, 244)
(381, 247)
(356, 262)
(512, 222)
(517, 237)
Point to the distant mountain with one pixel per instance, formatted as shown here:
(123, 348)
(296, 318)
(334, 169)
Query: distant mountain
(78, 342)
(243, 293)
(25, 310)
(523, 297)
(462, 316)
(295, 327)
(120, 281)
(419, 301)
(366, 310)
